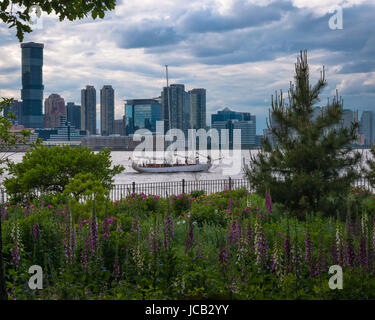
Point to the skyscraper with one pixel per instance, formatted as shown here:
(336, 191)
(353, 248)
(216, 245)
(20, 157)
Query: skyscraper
(16, 110)
(107, 110)
(197, 108)
(186, 112)
(73, 114)
(366, 127)
(88, 109)
(349, 117)
(228, 119)
(54, 108)
(32, 85)
(119, 126)
(142, 114)
(176, 106)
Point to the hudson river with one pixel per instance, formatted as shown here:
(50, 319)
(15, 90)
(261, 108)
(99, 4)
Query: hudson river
(216, 172)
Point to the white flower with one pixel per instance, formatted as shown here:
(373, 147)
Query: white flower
(183, 221)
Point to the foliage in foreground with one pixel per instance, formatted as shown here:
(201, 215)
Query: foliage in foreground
(226, 245)
(8, 141)
(17, 13)
(50, 169)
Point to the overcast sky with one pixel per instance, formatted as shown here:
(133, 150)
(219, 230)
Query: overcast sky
(240, 51)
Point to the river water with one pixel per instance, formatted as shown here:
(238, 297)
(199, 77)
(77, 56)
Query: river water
(230, 166)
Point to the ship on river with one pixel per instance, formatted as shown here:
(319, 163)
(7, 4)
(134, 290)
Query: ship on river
(172, 168)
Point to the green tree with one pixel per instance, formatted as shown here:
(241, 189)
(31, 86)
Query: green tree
(48, 170)
(8, 143)
(16, 13)
(310, 165)
(369, 171)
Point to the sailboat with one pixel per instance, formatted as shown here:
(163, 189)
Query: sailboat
(166, 167)
(171, 168)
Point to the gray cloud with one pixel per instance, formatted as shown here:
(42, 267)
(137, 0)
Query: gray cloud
(148, 33)
(241, 55)
(243, 15)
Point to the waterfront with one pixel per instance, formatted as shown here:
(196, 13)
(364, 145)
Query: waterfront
(130, 175)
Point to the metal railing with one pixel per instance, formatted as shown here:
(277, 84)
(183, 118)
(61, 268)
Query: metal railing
(167, 188)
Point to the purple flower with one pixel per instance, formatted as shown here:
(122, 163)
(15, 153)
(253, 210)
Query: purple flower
(168, 231)
(36, 232)
(268, 203)
(190, 237)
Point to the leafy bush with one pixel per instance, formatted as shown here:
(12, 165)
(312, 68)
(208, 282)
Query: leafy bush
(49, 169)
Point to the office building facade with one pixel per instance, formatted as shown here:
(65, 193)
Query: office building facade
(88, 109)
(230, 120)
(173, 105)
(54, 108)
(107, 110)
(366, 127)
(142, 114)
(119, 126)
(197, 108)
(32, 85)
(13, 112)
(73, 114)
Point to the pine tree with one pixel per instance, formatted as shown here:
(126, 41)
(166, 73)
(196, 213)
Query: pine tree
(369, 169)
(310, 165)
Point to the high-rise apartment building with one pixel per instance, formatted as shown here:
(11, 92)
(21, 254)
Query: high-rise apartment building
(73, 114)
(32, 85)
(173, 105)
(88, 110)
(186, 113)
(119, 126)
(197, 108)
(15, 109)
(366, 127)
(54, 108)
(107, 110)
(349, 117)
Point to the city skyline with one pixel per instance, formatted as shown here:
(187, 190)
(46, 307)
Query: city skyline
(209, 44)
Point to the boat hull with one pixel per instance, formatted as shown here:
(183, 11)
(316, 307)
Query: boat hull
(192, 168)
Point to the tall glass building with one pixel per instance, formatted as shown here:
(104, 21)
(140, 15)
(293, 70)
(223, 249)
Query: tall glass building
(367, 126)
(173, 106)
(142, 114)
(197, 108)
(14, 112)
(230, 120)
(107, 110)
(73, 113)
(32, 85)
(88, 109)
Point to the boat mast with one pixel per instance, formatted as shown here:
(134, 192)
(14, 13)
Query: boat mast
(169, 105)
